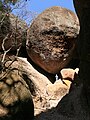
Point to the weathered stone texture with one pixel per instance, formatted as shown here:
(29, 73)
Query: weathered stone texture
(15, 97)
(51, 38)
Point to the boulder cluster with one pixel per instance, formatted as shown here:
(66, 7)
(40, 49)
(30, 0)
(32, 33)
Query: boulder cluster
(49, 45)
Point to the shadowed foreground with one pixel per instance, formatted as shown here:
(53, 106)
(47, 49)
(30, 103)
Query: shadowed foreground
(72, 107)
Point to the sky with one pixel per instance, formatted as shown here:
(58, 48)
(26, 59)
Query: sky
(40, 5)
(35, 7)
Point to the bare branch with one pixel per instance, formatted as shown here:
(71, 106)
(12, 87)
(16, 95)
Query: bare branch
(18, 49)
(3, 43)
(3, 47)
(1, 22)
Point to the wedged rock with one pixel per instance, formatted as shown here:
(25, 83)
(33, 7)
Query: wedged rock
(51, 38)
(12, 31)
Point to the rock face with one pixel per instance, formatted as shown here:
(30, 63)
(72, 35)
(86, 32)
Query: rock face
(76, 104)
(15, 97)
(51, 38)
(12, 31)
(45, 94)
(73, 106)
(83, 12)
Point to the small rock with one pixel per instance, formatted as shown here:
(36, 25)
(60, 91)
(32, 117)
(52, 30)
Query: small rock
(68, 73)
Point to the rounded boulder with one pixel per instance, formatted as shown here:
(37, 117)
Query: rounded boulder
(51, 38)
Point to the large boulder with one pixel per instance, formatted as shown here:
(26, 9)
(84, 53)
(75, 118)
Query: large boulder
(51, 38)
(12, 32)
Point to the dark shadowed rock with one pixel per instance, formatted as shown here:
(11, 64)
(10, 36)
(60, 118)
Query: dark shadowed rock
(12, 31)
(83, 11)
(51, 38)
(15, 97)
(74, 105)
